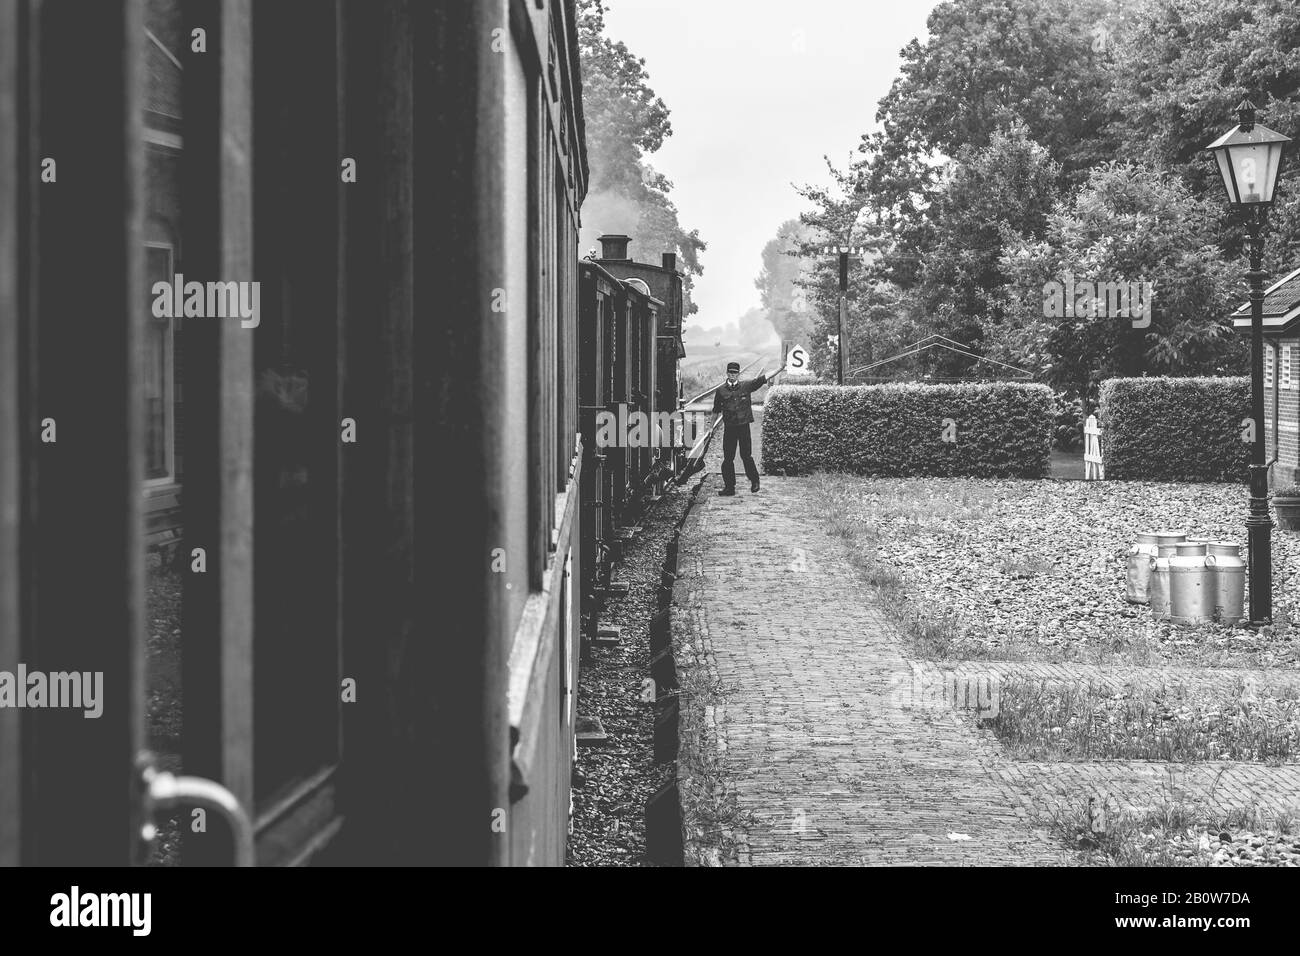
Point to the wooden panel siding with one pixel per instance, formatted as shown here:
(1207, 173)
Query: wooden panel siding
(87, 536)
(218, 608)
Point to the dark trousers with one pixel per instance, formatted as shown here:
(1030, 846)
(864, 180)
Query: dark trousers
(733, 435)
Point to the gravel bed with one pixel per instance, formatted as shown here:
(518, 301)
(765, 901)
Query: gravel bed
(1251, 849)
(1201, 847)
(163, 715)
(613, 782)
(1035, 570)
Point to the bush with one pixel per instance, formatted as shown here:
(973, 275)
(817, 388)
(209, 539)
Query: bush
(1175, 429)
(1001, 430)
(1067, 427)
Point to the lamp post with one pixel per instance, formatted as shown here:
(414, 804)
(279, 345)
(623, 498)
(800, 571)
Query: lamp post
(1249, 156)
(844, 253)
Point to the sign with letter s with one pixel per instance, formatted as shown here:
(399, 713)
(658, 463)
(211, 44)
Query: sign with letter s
(796, 361)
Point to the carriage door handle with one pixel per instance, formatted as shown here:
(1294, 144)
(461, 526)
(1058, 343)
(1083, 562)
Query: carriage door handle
(162, 790)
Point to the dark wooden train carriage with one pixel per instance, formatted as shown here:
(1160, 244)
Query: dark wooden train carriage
(381, 476)
(663, 283)
(600, 296)
(643, 320)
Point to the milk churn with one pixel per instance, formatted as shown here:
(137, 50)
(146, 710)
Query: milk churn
(1141, 557)
(1229, 580)
(1191, 585)
(1158, 585)
(1171, 537)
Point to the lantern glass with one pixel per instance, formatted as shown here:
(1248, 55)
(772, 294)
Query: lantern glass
(1249, 171)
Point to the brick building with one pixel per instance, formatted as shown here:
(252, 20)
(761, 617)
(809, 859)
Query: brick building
(1281, 373)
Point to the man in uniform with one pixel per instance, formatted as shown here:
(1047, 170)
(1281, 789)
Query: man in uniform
(732, 402)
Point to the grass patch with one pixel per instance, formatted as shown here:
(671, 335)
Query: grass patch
(1040, 721)
(929, 633)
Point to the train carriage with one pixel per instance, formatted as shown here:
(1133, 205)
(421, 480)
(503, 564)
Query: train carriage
(379, 501)
(663, 284)
(599, 295)
(630, 345)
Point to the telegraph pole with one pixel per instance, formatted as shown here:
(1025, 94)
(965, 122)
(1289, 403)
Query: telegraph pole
(844, 310)
(844, 253)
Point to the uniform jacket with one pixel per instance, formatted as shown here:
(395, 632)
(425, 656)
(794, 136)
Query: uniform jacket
(733, 403)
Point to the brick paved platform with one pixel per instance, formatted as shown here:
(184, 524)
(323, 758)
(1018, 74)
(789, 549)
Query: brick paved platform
(802, 727)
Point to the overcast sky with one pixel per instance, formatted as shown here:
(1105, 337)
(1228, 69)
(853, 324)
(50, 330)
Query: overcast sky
(759, 91)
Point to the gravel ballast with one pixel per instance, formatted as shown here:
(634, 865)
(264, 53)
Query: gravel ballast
(613, 782)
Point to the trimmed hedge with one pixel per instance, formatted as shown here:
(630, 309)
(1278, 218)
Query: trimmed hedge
(1002, 430)
(1174, 429)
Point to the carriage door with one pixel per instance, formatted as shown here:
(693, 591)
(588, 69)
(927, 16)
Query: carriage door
(257, 690)
(591, 402)
(70, 433)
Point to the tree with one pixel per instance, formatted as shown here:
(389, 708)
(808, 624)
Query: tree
(1182, 67)
(1180, 70)
(1129, 223)
(1005, 189)
(988, 64)
(626, 121)
(777, 283)
(877, 324)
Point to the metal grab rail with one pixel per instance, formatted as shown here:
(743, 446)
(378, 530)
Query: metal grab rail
(162, 790)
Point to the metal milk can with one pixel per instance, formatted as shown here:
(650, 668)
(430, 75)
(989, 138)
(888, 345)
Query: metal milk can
(1191, 585)
(1141, 558)
(1228, 576)
(1158, 584)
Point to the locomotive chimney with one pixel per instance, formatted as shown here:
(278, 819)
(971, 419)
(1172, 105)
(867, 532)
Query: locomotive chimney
(614, 247)
(670, 261)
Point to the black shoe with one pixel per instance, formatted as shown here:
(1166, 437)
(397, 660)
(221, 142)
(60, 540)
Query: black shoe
(726, 492)
(753, 485)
